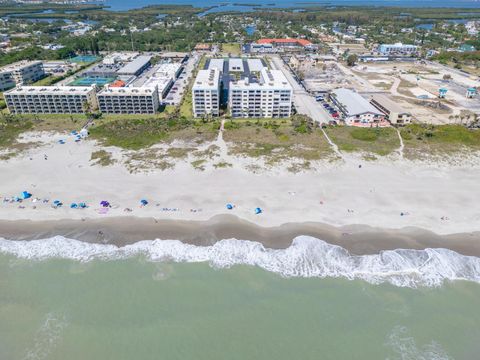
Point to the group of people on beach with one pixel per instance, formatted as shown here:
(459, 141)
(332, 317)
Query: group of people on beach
(103, 207)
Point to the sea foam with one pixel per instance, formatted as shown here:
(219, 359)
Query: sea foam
(306, 257)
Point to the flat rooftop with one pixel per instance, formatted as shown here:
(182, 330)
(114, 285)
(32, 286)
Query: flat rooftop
(354, 103)
(216, 63)
(207, 79)
(50, 90)
(167, 69)
(18, 65)
(235, 64)
(388, 104)
(136, 64)
(128, 91)
(255, 65)
(269, 79)
(161, 82)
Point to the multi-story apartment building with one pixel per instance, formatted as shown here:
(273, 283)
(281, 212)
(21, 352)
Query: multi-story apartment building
(128, 100)
(270, 96)
(22, 72)
(206, 93)
(50, 99)
(398, 48)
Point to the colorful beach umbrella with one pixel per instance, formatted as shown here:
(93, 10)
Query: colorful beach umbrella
(26, 195)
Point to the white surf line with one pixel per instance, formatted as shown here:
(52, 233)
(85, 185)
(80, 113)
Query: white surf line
(402, 145)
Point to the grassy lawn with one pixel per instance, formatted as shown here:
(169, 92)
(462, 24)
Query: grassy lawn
(9, 131)
(231, 48)
(421, 139)
(139, 133)
(47, 80)
(276, 140)
(380, 141)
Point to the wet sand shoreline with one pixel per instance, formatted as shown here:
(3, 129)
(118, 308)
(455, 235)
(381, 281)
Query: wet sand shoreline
(120, 231)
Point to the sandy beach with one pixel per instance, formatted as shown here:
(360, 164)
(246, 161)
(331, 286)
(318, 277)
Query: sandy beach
(333, 198)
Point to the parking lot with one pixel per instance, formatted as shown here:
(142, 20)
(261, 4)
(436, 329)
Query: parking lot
(180, 85)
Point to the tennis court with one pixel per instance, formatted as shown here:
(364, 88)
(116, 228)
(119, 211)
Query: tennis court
(90, 80)
(84, 58)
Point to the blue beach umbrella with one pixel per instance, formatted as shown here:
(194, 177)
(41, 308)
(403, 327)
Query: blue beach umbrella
(258, 211)
(26, 195)
(57, 203)
(82, 205)
(73, 206)
(143, 202)
(229, 206)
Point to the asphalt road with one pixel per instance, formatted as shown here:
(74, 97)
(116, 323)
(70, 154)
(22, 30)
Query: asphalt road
(304, 102)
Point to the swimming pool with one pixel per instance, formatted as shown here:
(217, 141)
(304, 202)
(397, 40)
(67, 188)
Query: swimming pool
(90, 80)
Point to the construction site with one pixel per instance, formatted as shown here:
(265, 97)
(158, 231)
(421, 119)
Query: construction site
(431, 92)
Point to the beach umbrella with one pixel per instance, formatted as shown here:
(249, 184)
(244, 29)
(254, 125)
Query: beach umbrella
(143, 202)
(82, 205)
(61, 142)
(104, 203)
(74, 132)
(229, 206)
(258, 210)
(26, 195)
(73, 206)
(57, 203)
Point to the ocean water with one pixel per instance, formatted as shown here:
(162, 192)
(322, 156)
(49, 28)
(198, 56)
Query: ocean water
(63, 299)
(240, 5)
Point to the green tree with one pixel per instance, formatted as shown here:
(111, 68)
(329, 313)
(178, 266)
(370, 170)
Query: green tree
(352, 59)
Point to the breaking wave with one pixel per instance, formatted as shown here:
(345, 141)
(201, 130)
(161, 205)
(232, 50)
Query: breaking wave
(306, 257)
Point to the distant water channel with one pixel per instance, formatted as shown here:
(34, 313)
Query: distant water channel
(243, 6)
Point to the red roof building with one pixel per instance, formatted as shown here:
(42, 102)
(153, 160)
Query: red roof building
(285, 42)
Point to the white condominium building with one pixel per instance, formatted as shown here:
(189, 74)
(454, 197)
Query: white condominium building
(22, 72)
(50, 99)
(270, 96)
(206, 93)
(398, 48)
(128, 100)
